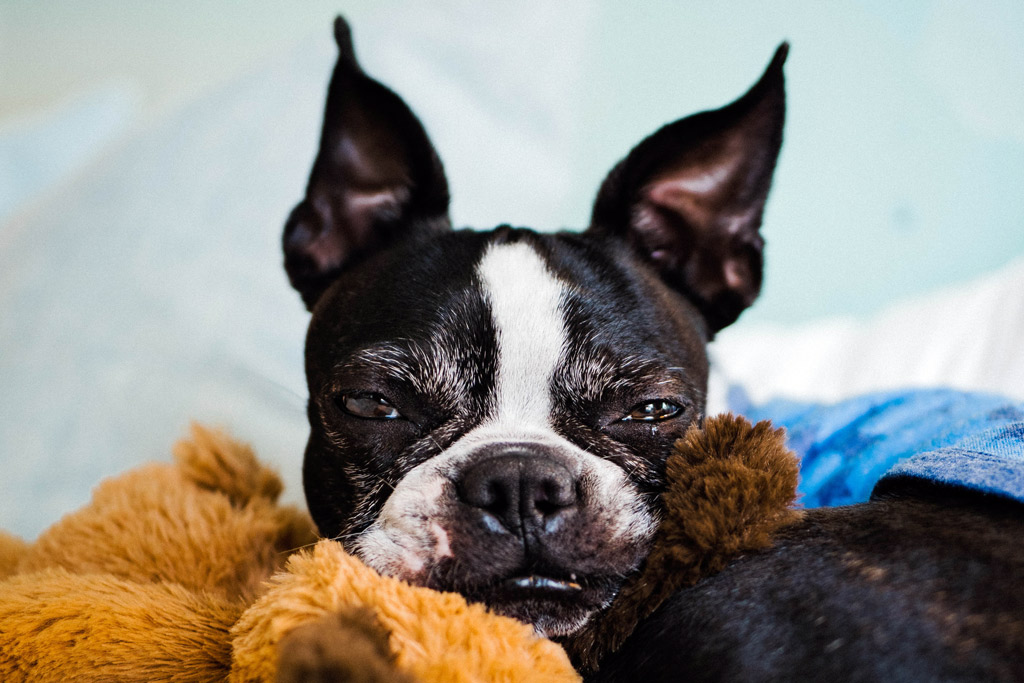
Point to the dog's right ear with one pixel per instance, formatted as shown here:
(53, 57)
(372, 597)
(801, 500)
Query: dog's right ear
(690, 197)
(375, 179)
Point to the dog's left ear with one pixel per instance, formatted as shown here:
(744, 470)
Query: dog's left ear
(690, 198)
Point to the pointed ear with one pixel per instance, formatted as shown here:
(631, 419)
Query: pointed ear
(690, 198)
(376, 178)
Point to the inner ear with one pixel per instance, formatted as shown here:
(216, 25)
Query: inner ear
(376, 179)
(691, 196)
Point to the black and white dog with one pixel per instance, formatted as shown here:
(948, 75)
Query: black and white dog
(490, 412)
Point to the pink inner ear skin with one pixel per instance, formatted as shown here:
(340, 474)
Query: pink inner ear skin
(368, 156)
(736, 274)
(325, 252)
(320, 247)
(700, 189)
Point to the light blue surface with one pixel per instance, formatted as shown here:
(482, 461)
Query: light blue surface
(140, 273)
(36, 154)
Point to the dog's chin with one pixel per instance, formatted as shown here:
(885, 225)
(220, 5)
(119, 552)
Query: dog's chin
(548, 619)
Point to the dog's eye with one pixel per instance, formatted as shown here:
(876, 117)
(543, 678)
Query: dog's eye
(652, 411)
(368, 406)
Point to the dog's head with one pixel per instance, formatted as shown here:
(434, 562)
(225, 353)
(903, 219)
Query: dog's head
(490, 412)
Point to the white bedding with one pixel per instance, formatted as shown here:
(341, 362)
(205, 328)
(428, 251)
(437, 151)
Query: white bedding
(969, 337)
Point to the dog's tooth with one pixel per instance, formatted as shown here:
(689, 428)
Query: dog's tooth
(544, 582)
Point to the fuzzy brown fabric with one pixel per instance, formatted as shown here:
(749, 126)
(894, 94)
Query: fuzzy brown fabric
(12, 549)
(145, 582)
(730, 487)
(56, 626)
(209, 522)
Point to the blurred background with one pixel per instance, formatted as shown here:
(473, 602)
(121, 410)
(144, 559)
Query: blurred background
(149, 153)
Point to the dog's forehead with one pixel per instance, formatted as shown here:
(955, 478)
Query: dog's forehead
(530, 293)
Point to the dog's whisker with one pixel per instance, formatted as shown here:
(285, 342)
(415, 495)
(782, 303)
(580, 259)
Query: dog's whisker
(341, 538)
(440, 448)
(289, 551)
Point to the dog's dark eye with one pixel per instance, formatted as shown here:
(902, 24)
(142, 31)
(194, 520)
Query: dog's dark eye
(368, 406)
(652, 411)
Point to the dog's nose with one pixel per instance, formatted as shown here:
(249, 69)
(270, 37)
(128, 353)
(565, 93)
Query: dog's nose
(524, 491)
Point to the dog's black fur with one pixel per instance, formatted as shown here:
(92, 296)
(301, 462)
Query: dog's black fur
(921, 587)
(904, 588)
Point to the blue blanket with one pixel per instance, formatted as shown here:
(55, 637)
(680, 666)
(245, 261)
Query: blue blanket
(880, 442)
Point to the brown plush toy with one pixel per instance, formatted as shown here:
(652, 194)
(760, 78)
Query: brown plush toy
(729, 487)
(193, 572)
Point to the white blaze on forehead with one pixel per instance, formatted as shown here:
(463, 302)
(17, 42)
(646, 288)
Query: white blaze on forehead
(524, 300)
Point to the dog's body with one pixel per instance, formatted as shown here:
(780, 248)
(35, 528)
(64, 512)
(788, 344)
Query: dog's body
(924, 587)
(491, 411)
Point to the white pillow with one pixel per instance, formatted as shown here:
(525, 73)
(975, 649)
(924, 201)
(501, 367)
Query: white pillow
(969, 336)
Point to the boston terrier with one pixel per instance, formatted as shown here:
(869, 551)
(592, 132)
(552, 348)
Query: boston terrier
(490, 411)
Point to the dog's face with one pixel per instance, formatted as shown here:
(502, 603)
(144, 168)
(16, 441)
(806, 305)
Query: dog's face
(490, 412)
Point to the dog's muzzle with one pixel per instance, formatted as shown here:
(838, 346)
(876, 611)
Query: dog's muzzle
(541, 532)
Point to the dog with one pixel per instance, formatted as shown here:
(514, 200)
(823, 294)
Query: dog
(490, 412)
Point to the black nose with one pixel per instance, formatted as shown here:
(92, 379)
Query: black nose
(524, 491)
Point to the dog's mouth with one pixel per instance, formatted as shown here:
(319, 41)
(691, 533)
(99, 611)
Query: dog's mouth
(554, 603)
(537, 584)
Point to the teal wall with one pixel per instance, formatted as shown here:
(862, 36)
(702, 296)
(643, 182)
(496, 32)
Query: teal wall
(903, 164)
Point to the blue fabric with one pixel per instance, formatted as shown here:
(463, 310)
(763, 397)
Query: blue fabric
(974, 441)
(991, 462)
